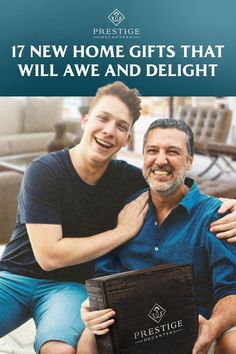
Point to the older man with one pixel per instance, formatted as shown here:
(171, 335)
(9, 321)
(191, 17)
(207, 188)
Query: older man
(176, 230)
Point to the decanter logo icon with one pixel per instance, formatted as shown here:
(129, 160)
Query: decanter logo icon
(116, 17)
(157, 313)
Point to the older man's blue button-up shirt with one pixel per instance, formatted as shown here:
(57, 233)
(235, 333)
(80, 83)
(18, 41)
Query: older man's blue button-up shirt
(182, 238)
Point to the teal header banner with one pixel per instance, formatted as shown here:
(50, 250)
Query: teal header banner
(162, 47)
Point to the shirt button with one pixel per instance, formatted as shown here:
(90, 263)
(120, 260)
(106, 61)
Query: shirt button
(155, 223)
(156, 248)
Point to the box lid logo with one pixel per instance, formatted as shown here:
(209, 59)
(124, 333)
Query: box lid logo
(157, 313)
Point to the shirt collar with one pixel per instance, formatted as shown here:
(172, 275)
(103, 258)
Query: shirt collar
(190, 199)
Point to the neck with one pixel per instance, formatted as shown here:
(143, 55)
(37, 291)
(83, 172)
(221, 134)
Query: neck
(89, 171)
(165, 203)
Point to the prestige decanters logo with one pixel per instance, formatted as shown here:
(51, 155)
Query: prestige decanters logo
(157, 313)
(116, 17)
(154, 333)
(116, 32)
(162, 330)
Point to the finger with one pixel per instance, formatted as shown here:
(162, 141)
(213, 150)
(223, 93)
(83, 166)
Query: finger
(98, 314)
(227, 205)
(86, 303)
(144, 194)
(140, 203)
(142, 198)
(226, 234)
(101, 326)
(201, 319)
(223, 199)
(100, 319)
(100, 333)
(195, 350)
(136, 207)
(196, 347)
(144, 212)
(224, 227)
(200, 347)
(226, 219)
(141, 210)
(232, 239)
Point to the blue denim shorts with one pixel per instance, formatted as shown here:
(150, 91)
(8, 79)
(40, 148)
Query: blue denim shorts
(54, 306)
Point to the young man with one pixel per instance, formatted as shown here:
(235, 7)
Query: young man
(176, 231)
(67, 215)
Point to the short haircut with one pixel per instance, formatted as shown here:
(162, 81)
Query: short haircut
(130, 97)
(173, 124)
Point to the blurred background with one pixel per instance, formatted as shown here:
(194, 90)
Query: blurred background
(31, 126)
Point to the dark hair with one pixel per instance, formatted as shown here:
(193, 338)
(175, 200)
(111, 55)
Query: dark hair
(130, 97)
(173, 124)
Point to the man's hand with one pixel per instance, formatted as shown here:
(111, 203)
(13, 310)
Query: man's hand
(131, 217)
(97, 322)
(205, 336)
(226, 226)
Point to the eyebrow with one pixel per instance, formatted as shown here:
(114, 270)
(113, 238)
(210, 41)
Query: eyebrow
(104, 112)
(120, 120)
(168, 147)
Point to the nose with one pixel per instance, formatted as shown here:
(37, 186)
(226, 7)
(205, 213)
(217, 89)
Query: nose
(161, 159)
(109, 129)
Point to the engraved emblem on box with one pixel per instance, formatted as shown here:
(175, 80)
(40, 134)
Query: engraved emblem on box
(157, 313)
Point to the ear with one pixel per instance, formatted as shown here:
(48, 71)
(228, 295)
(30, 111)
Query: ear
(127, 139)
(190, 162)
(84, 120)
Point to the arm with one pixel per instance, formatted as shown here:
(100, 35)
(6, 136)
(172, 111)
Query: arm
(56, 252)
(98, 322)
(225, 227)
(222, 318)
(220, 271)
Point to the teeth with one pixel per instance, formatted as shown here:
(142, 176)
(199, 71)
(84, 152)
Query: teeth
(103, 143)
(161, 173)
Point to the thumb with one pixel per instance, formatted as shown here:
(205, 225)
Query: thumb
(201, 320)
(85, 305)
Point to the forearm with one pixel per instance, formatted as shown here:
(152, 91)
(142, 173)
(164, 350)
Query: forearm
(52, 251)
(223, 315)
(70, 251)
(222, 318)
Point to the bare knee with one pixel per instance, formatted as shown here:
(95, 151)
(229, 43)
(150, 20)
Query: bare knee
(227, 343)
(56, 347)
(87, 343)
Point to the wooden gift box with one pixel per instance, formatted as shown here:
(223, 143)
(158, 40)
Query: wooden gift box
(155, 310)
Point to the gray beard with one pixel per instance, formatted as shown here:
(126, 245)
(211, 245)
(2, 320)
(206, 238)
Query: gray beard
(170, 189)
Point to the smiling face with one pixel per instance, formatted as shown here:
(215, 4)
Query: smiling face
(106, 129)
(166, 160)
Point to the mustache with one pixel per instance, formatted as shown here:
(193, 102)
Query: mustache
(165, 168)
